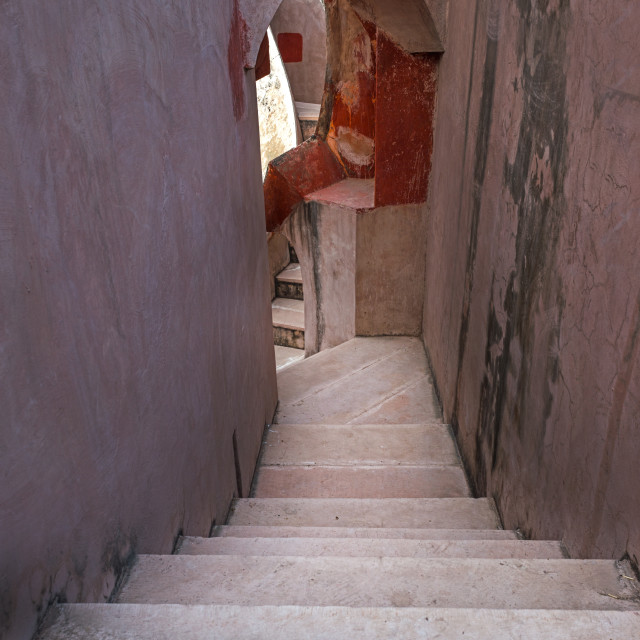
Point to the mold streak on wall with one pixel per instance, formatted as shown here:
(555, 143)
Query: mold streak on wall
(532, 282)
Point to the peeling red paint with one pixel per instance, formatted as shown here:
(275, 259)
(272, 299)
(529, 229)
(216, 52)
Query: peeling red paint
(235, 60)
(280, 197)
(406, 93)
(353, 119)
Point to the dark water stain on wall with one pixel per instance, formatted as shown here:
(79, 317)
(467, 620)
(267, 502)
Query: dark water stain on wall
(533, 317)
(481, 148)
(534, 282)
(309, 221)
(118, 555)
(541, 43)
(303, 233)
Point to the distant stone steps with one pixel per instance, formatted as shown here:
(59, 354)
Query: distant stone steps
(359, 444)
(384, 481)
(288, 322)
(287, 311)
(289, 282)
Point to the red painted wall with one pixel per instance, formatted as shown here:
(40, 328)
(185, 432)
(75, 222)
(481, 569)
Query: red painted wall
(405, 105)
(290, 46)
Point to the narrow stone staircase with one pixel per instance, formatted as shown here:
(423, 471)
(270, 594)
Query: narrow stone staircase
(361, 525)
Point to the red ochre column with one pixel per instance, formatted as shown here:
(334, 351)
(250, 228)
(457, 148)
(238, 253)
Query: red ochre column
(405, 104)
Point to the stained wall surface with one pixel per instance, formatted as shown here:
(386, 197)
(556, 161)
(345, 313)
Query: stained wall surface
(532, 312)
(135, 335)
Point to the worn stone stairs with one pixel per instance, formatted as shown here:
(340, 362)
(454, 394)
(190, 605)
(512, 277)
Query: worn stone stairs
(361, 525)
(287, 308)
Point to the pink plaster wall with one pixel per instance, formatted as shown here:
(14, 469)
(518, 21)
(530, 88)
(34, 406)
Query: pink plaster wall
(135, 331)
(532, 308)
(306, 18)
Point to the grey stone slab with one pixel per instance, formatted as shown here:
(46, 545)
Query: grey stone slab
(201, 622)
(291, 273)
(375, 547)
(430, 513)
(286, 356)
(389, 533)
(288, 314)
(361, 482)
(410, 444)
(375, 393)
(331, 366)
(412, 403)
(380, 582)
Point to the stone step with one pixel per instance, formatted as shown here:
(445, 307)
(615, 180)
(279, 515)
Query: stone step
(381, 444)
(229, 622)
(288, 322)
(386, 533)
(363, 547)
(286, 356)
(380, 582)
(363, 381)
(332, 365)
(429, 513)
(361, 482)
(289, 282)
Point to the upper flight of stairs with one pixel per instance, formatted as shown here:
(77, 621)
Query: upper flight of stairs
(361, 525)
(287, 308)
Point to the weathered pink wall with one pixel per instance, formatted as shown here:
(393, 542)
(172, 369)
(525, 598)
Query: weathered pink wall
(135, 331)
(532, 311)
(307, 18)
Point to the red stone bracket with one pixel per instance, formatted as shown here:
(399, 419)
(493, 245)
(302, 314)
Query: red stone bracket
(263, 63)
(295, 174)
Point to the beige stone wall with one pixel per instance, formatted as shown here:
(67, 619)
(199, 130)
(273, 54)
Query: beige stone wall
(279, 127)
(363, 270)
